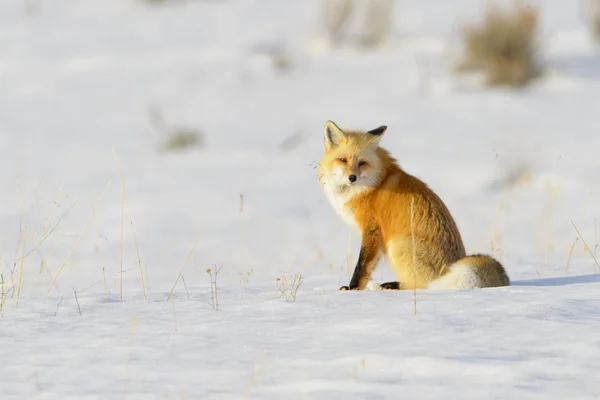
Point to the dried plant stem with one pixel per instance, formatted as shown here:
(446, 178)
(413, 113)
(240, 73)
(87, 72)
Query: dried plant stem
(77, 301)
(595, 237)
(190, 254)
(497, 234)
(214, 290)
(185, 286)
(21, 268)
(570, 254)
(122, 218)
(137, 249)
(414, 254)
(97, 229)
(76, 243)
(585, 206)
(68, 256)
(3, 294)
(58, 305)
(587, 247)
(100, 281)
(44, 237)
(548, 229)
(288, 285)
(21, 241)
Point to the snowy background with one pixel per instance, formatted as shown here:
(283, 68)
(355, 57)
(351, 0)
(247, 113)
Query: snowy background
(82, 81)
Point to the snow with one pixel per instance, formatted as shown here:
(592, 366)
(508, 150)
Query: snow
(77, 81)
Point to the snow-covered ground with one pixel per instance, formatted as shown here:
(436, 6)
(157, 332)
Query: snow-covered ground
(78, 79)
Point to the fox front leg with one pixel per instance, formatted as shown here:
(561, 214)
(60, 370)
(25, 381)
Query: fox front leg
(370, 253)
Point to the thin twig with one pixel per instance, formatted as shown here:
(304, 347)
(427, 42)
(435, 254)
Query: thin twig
(296, 285)
(595, 237)
(214, 294)
(97, 229)
(586, 246)
(58, 305)
(548, 229)
(137, 249)
(122, 217)
(2, 298)
(585, 206)
(21, 241)
(216, 288)
(414, 254)
(77, 301)
(293, 286)
(183, 268)
(185, 286)
(100, 281)
(75, 244)
(570, 254)
(30, 252)
(21, 269)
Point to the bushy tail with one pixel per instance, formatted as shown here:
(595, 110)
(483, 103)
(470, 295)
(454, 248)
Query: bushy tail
(476, 271)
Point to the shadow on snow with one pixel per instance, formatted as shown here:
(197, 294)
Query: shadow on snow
(560, 281)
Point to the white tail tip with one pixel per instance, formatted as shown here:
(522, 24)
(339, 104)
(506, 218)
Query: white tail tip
(460, 276)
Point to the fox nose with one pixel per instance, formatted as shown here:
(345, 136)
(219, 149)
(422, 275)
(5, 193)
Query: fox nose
(352, 178)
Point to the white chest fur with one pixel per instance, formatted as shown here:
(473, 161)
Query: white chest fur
(338, 200)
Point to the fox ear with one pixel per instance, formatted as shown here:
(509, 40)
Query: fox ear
(378, 131)
(333, 134)
(376, 134)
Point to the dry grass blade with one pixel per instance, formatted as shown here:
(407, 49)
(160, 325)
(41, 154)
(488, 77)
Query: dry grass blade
(137, 249)
(46, 235)
(97, 229)
(585, 207)
(3, 295)
(587, 247)
(288, 285)
(214, 289)
(125, 203)
(122, 219)
(414, 254)
(46, 232)
(190, 254)
(62, 267)
(571, 254)
(23, 241)
(58, 305)
(77, 301)
(185, 286)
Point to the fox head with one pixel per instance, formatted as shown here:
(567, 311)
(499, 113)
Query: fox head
(351, 160)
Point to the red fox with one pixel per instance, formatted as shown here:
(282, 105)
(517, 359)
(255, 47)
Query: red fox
(397, 215)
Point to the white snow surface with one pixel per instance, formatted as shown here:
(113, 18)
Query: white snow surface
(77, 81)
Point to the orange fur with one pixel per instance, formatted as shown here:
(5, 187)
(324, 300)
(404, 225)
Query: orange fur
(378, 205)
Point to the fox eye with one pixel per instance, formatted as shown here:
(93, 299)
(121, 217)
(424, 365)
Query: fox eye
(343, 160)
(361, 163)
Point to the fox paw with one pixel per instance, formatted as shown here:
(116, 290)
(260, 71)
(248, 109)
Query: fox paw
(344, 288)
